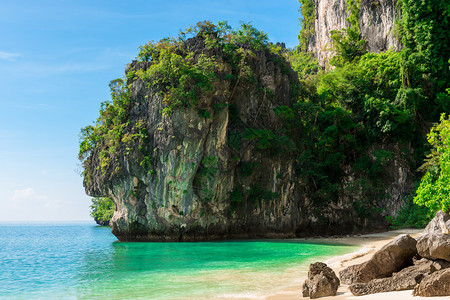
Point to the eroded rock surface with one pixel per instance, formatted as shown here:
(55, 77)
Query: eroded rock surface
(376, 23)
(406, 279)
(439, 224)
(205, 181)
(436, 284)
(321, 282)
(434, 245)
(393, 257)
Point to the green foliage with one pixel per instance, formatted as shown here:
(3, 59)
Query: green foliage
(347, 46)
(371, 89)
(106, 134)
(209, 167)
(423, 28)
(256, 193)
(327, 139)
(347, 43)
(247, 34)
(353, 17)
(184, 77)
(307, 10)
(102, 208)
(181, 78)
(304, 63)
(267, 140)
(434, 189)
(248, 168)
(411, 215)
(237, 196)
(174, 70)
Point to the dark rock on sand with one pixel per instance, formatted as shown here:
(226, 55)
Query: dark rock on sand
(393, 257)
(406, 279)
(321, 282)
(436, 284)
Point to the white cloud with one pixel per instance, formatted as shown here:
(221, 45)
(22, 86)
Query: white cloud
(8, 56)
(26, 194)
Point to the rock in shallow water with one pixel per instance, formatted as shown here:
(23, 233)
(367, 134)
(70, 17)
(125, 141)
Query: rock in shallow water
(393, 257)
(321, 282)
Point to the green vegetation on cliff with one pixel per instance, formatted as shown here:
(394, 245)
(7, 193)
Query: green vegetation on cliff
(178, 75)
(393, 97)
(307, 19)
(349, 132)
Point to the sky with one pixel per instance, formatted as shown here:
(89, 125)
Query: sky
(56, 60)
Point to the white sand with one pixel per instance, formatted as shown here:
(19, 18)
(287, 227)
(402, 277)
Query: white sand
(370, 243)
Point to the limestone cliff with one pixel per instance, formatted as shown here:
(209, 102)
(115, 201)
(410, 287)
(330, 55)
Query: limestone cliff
(221, 166)
(206, 180)
(376, 22)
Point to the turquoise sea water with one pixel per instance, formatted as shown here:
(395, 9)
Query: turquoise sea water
(73, 261)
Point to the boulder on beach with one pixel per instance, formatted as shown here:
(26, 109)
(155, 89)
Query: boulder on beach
(321, 282)
(436, 284)
(393, 257)
(434, 243)
(434, 246)
(440, 223)
(406, 279)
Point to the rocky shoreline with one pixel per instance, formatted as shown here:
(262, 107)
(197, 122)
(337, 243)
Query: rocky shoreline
(421, 265)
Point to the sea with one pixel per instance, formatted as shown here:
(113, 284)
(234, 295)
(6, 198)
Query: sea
(85, 261)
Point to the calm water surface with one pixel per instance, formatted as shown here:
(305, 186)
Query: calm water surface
(73, 261)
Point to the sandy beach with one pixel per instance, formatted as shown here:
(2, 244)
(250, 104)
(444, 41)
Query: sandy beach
(369, 243)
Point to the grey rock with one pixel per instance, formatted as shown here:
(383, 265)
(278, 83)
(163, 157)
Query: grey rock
(406, 279)
(376, 23)
(434, 245)
(321, 282)
(439, 224)
(194, 171)
(393, 257)
(436, 284)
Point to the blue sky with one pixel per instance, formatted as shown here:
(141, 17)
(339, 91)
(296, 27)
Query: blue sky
(56, 60)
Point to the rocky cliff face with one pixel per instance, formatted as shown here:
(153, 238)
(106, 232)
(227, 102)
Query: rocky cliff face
(222, 168)
(376, 23)
(207, 180)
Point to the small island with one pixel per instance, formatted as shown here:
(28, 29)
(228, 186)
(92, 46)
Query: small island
(220, 134)
(300, 153)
